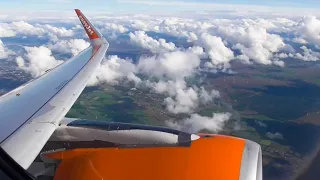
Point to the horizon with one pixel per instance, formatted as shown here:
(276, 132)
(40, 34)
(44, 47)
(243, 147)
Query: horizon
(49, 8)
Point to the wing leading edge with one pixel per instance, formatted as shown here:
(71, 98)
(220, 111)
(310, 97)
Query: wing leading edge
(31, 113)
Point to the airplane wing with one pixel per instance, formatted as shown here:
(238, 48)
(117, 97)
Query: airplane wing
(32, 112)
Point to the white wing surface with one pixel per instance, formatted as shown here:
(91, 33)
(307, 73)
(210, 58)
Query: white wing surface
(31, 113)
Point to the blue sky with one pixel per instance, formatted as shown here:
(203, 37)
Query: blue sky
(149, 5)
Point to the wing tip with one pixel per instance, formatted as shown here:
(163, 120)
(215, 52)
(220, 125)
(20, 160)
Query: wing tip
(89, 28)
(77, 11)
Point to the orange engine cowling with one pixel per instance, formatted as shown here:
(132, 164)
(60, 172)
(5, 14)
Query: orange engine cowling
(211, 157)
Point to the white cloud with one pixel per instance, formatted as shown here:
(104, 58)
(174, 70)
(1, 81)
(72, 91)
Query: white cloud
(5, 32)
(220, 40)
(216, 49)
(287, 49)
(299, 40)
(132, 77)
(192, 36)
(188, 28)
(206, 97)
(274, 135)
(72, 46)
(309, 29)
(255, 52)
(118, 28)
(185, 101)
(261, 124)
(26, 29)
(278, 63)
(176, 65)
(37, 60)
(56, 32)
(113, 70)
(253, 41)
(167, 87)
(156, 46)
(282, 55)
(252, 37)
(182, 99)
(197, 50)
(59, 31)
(196, 123)
(4, 52)
(308, 55)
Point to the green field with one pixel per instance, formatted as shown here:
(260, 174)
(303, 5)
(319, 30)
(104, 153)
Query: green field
(108, 106)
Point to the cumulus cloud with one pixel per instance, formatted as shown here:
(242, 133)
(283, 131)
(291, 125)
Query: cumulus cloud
(207, 97)
(197, 123)
(4, 52)
(172, 69)
(176, 65)
(182, 99)
(220, 37)
(26, 29)
(216, 49)
(156, 46)
(55, 32)
(112, 30)
(180, 27)
(185, 101)
(251, 40)
(307, 55)
(37, 60)
(254, 42)
(197, 50)
(252, 37)
(117, 28)
(114, 69)
(4, 32)
(261, 124)
(167, 87)
(309, 29)
(72, 46)
(299, 40)
(274, 135)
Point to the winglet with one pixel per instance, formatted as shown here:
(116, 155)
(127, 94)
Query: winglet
(92, 32)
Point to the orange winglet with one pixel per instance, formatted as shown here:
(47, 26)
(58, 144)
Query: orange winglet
(90, 29)
(217, 157)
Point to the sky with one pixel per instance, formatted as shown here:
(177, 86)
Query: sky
(159, 6)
